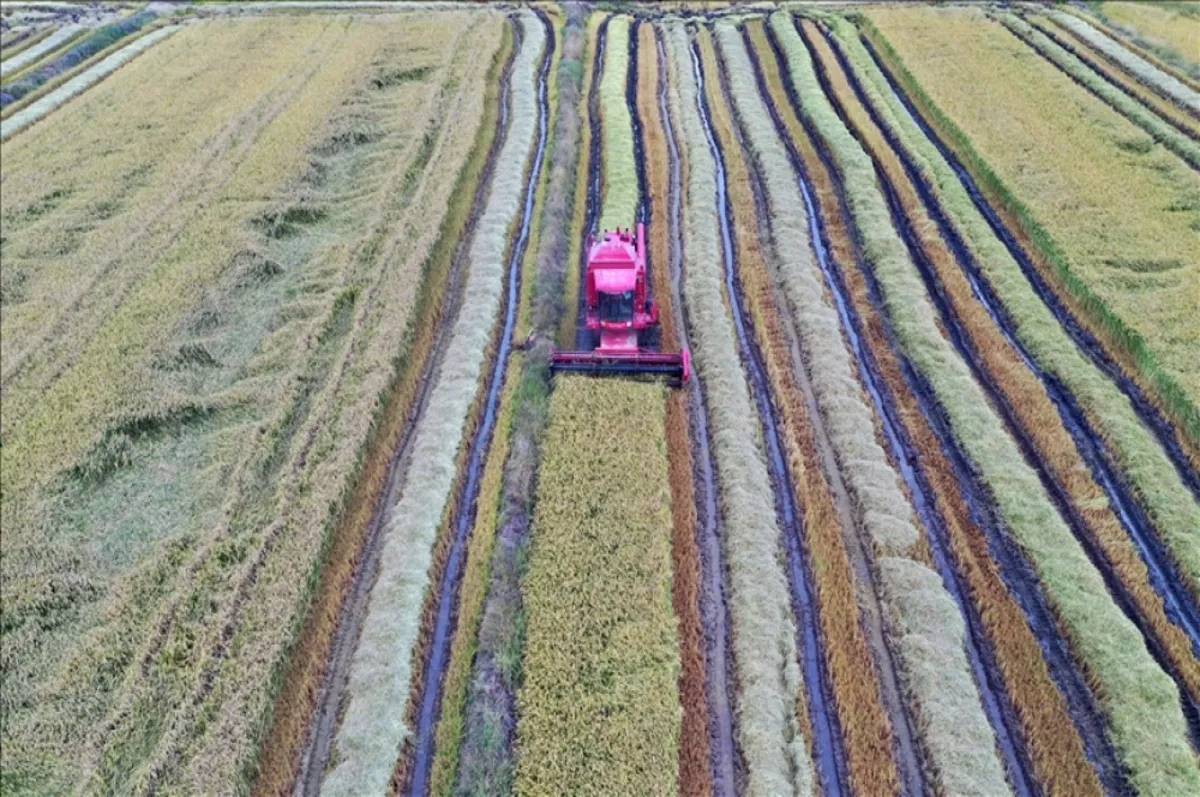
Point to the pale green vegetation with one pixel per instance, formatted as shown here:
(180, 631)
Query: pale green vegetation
(620, 178)
(599, 708)
(1140, 115)
(81, 82)
(1141, 701)
(369, 740)
(764, 642)
(1133, 63)
(1171, 506)
(929, 627)
(209, 395)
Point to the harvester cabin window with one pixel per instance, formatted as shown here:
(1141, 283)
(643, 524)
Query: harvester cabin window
(616, 306)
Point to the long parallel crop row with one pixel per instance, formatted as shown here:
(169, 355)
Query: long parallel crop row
(1026, 399)
(882, 511)
(1182, 145)
(764, 643)
(1138, 67)
(56, 38)
(863, 714)
(1140, 699)
(1167, 35)
(1117, 266)
(1000, 629)
(369, 739)
(1188, 124)
(1153, 476)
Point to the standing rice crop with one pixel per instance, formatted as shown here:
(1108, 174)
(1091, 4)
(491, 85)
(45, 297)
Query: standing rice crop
(1160, 131)
(620, 178)
(764, 642)
(1140, 699)
(369, 739)
(1137, 66)
(599, 706)
(929, 627)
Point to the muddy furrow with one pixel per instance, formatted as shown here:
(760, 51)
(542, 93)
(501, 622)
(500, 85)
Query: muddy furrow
(639, 144)
(1180, 605)
(438, 655)
(1104, 73)
(713, 600)
(982, 659)
(1083, 338)
(333, 682)
(827, 742)
(591, 217)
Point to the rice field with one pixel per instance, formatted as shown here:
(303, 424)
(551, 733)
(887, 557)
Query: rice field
(294, 502)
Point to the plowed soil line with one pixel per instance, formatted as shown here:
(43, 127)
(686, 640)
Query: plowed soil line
(828, 753)
(333, 682)
(713, 600)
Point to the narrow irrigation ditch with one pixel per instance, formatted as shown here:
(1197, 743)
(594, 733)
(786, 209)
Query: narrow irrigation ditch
(439, 650)
(1164, 576)
(713, 606)
(584, 339)
(828, 753)
(1084, 339)
(320, 734)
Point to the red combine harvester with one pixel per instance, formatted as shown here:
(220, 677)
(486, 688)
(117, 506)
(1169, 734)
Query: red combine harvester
(618, 310)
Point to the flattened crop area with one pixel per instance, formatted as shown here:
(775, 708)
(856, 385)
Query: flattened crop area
(293, 501)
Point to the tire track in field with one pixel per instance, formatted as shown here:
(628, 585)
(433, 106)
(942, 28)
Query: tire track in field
(719, 686)
(438, 654)
(828, 754)
(1162, 572)
(1082, 336)
(585, 339)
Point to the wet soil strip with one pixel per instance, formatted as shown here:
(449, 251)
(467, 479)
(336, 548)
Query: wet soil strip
(726, 763)
(333, 682)
(439, 651)
(584, 338)
(1101, 70)
(996, 702)
(639, 143)
(1015, 570)
(1083, 338)
(828, 753)
(1180, 606)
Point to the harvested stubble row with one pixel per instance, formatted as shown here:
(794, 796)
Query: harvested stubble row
(1171, 506)
(1028, 398)
(764, 642)
(929, 629)
(369, 740)
(241, 572)
(1182, 145)
(1043, 712)
(19, 61)
(1141, 701)
(599, 707)
(1140, 68)
(695, 771)
(1120, 257)
(620, 178)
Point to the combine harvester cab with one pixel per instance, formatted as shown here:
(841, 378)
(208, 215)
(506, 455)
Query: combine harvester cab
(619, 316)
